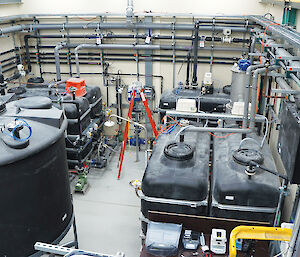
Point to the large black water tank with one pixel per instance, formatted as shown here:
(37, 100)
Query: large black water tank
(34, 186)
(237, 193)
(208, 102)
(177, 171)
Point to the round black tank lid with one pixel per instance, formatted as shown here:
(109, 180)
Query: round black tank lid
(34, 102)
(244, 156)
(179, 151)
(2, 106)
(17, 90)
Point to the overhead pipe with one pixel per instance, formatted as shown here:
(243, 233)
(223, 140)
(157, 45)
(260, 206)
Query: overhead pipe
(95, 56)
(110, 46)
(290, 36)
(129, 13)
(97, 25)
(56, 54)
(255, 79)
(129, 36)
(195, 55)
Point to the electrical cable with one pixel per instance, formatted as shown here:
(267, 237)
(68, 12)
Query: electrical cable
(260, 61)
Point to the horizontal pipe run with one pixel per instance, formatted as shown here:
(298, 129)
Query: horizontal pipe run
(177, 47)
(289, 35)
(132, 59)
(285, 86)
(211, 116)
(113, 36)
(104, 26)
(95, 56)
(295, 78)
(221, 130)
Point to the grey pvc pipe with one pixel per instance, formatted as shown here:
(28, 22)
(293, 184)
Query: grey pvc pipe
(283, 84)
(256, 74)
(247, 89)
(57, 63)
(94, 25)
(290, 36)
(221, 130)
(295, 78)
(252, 49)
(110, 46)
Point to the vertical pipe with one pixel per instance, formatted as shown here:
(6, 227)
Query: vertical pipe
(247, 88)
(187, 81)
(27, 53)
(69, 59)
(292, 250)
(252, 49)
(212, 47)
(57, 62)
(38, 42)
(195, 53)
(254, 92)
(174, 53)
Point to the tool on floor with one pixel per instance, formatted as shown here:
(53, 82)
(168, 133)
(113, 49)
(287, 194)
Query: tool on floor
(137, 89)
(191, 240)
(218, 241)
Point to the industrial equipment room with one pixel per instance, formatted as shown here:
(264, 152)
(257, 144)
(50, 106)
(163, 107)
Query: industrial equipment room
(162, 128)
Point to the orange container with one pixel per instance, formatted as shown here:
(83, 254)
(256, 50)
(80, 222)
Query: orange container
(78, 84)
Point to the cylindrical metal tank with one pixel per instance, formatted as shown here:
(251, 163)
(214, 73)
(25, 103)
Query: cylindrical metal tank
(34, 186)
(177, 175)
(237, 92)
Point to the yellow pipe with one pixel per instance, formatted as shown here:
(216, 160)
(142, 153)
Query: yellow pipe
(258, 233)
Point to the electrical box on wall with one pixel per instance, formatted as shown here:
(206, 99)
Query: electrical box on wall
(288, 141)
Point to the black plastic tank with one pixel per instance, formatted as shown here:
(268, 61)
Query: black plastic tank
(34, 187)
(78, 109)
(208, 102)
(239, 192)
(93, 94)
(177, 174)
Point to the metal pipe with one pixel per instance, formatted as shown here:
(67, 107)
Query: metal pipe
(247, 89)
(256, 75)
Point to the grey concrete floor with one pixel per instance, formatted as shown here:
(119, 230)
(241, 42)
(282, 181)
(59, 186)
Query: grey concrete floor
(107, 215)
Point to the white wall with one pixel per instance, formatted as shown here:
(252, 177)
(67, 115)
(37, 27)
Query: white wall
(212, 7)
